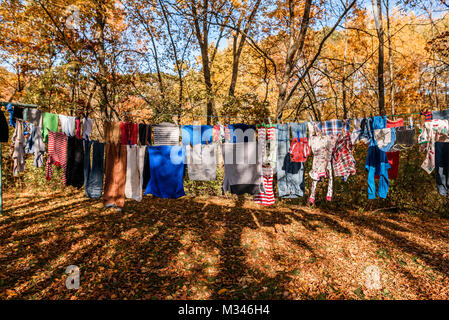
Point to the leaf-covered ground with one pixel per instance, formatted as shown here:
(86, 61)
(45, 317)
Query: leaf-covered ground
(216, 248)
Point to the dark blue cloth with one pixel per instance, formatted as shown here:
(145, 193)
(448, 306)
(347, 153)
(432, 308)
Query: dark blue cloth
(236, 130)
(442, 167)
(12, 120)
(196, 134)
(93, 176)
(4, 129)
(167, 170)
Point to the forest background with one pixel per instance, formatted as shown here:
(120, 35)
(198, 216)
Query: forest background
(232, 61)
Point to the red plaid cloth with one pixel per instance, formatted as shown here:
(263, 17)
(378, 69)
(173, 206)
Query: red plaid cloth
(342, 159)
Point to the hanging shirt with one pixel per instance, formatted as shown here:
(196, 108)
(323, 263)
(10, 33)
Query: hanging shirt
(57, 153)
(333, 127)
(38, 146)
(433, 131)
(33, 116)
(67, 125)
(49, 123)
(129, 133)
(243, 168)
(322, 147)
(343, 161)
(405, 139)
(201, 162)
(167, 170)
(359, 132)
(87, 128)
(18, 155)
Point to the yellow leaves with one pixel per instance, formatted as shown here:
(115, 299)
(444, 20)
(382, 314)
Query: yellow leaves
(10, 293)
(221, 291)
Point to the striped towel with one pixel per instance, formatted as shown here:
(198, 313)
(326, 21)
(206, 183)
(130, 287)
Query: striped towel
(266, 198)
(166, 134)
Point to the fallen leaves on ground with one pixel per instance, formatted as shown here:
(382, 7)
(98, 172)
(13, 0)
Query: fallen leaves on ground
(216, 248)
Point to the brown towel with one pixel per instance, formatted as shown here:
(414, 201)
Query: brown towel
(111, 132)
(115, 175)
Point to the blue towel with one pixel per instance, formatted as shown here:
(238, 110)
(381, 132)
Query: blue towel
(196, 134)
(167, 171)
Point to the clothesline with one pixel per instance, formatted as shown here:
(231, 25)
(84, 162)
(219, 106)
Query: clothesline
(128, 153)
(223, 116)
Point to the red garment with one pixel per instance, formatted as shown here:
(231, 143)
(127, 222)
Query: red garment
(395, 124)
(343, 161)
(57, 154)
(299, 150)
(267, 198)
(129, 133)
(78, 128)
(393, 157)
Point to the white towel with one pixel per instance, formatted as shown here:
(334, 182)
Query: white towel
(67, 125)
(134, 172)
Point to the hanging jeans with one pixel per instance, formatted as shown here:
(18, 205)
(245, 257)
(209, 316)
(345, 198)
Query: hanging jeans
(290, 175)
(377, 164)
(75, 162)
(115, 175)
(93, 175)
(442, 167)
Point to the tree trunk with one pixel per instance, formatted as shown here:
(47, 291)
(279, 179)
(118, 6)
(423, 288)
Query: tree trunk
(202, 35)
(102, 69)
(380, 65)
(390, 57)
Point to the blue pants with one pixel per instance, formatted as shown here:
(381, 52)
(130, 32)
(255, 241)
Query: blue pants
(93, 176)
(290, 175)
(377, 164)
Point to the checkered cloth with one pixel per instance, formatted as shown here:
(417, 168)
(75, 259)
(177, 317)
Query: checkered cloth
(342, 159)
(333, 127)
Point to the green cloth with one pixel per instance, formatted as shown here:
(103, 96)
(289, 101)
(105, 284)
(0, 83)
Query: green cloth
(49, 122)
